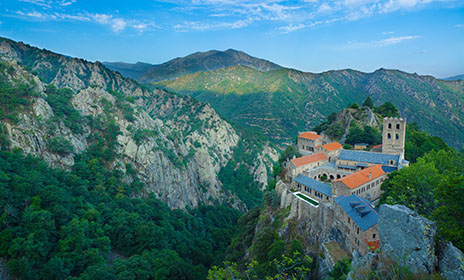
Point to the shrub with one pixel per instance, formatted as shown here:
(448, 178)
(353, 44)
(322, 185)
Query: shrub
(60, 145)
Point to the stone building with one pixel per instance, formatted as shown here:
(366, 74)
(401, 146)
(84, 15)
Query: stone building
(298, 165)
(393, 136)
(358, 160)
(314, 189)
(307, 142)
(358, 219)
(364, 183)
(332, 150)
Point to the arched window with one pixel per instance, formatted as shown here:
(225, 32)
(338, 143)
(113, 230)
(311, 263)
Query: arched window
(389, 136)
(397, 136)
(398, 126)
(389, 125)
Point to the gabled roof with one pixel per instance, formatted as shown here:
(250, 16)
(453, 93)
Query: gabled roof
(359, 210)
(309, 135)
(361, 177)
(332, 146)
(314, 184)
(308, 159)
(370, 157)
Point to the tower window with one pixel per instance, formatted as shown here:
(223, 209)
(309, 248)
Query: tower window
(389, 136)
(389, 125)
(398, 126)
(397, 136)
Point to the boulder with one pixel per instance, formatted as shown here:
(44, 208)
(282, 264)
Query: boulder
(451, 262)
(407, 238)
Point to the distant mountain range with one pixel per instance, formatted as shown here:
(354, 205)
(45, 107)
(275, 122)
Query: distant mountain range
(455, 78)
(280, 102)
(199, 61)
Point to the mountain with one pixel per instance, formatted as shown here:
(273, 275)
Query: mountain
(57, 108)
(284, 101)
(199, 61)
(455, 78)
(129, 70)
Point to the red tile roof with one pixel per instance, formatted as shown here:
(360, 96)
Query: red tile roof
(308, 159)
(361, 177)
(332, 146)
(310, 135)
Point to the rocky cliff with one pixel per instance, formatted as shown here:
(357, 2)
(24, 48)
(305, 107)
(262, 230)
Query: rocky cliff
(176, 144)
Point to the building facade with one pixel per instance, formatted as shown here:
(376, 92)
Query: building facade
(298, 165)
(393, 136)
(313, 188)
(358, 220)
(364, 183)
(307, 142)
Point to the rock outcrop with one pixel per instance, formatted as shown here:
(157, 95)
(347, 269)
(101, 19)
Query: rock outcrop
(407, 238)
(450, 262)
(176, 144)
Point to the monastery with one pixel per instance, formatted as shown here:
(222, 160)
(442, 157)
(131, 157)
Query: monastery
(348, 180)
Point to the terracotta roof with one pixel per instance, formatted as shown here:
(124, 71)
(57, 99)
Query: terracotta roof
(309, 135)
(308, 159)
(332, 146)
(356, 179)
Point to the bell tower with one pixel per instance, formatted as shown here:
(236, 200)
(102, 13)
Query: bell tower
(393, 136)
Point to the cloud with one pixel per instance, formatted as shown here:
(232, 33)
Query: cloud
(379, 43)
(117, 24)
(203, 26)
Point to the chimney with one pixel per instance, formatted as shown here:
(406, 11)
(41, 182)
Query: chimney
(370, 175)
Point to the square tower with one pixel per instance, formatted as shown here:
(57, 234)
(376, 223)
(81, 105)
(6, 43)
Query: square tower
(393, 136)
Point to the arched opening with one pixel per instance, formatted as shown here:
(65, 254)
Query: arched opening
(315, 177)
(331, 177)
(398, 126)
(397, 136)
(389, 136)
(389, 125)
(338, 176)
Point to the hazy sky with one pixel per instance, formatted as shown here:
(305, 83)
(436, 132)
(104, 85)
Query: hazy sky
(423, 36)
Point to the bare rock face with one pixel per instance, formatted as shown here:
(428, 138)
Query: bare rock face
(176, 144)
(407, 237)
(451, 262)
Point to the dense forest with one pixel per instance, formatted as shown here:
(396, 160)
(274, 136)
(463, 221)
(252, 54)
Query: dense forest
(89, 223)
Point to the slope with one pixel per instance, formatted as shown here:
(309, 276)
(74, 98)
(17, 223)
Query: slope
(282, 102)
(175, 144)
(199, 61)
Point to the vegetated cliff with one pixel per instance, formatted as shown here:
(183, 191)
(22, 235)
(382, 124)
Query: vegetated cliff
(199, 61)
(176, 144)
(284, 101)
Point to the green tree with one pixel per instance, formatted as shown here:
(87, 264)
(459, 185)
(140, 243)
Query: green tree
(368, 102)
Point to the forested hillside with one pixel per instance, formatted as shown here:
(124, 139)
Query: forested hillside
(282, 102)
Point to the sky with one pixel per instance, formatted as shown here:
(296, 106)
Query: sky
(416, 36)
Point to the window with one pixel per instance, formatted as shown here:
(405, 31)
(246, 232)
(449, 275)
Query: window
(398, 126)
(373, 236)
(389, 125)
(348, 220)
(357, 230)
(397, 136)
(389, 136)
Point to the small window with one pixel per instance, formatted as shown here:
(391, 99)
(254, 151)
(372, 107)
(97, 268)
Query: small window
(348, 220)
(373, 236)
(397, 136)
(389, 125)
(389, 136)
(398, 126)
(357, 230)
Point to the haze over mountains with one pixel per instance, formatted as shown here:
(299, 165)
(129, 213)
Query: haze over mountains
(280, 101)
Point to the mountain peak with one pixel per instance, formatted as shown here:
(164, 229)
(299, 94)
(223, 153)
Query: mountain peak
(192, 63)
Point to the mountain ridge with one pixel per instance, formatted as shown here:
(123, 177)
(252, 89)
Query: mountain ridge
(295, 100)
(176, 144)
(192, 63)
